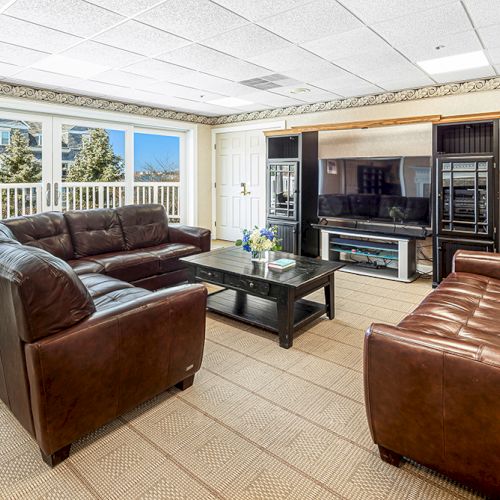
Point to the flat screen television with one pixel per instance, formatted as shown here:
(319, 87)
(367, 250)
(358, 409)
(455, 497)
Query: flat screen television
(393, 190)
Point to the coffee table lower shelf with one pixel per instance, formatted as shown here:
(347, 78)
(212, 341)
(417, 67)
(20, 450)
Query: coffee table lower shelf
(261, 312)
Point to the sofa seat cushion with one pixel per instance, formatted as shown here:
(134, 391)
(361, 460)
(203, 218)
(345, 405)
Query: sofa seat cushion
(117, 297)
(100, 284)
(84, 266)
(464, 306)
(131, 265)
(169, 254)
(107, 292)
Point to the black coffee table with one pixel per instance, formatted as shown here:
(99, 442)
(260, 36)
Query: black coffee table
(272, 300)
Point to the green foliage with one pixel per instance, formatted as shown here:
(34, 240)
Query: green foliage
(96, 161)
(18, 163)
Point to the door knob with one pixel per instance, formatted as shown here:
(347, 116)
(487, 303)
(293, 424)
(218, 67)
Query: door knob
(244, 186)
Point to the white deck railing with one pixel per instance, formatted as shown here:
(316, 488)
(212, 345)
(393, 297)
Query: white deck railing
(20, 199)
(26, 199)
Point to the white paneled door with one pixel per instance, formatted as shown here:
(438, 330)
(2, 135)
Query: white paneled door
(240, 182)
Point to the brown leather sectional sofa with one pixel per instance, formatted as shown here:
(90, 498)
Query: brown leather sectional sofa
(83, 338)
(432, 383)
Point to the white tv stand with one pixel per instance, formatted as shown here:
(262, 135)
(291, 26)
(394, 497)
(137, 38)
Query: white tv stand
(398, 253)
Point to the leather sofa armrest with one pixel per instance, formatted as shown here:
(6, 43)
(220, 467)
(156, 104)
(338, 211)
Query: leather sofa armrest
(483, 263)
(114, 360)
(197, 236)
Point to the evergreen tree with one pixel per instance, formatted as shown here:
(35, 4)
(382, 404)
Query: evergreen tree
(96, 161)
(18, 163)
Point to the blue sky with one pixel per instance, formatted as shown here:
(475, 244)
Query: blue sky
(147, 148)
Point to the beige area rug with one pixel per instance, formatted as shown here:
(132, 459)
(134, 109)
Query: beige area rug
(260, 422)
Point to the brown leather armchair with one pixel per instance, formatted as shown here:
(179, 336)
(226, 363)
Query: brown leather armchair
(432, 383)
(78, 350)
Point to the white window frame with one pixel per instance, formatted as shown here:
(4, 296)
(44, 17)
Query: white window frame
(48, 113)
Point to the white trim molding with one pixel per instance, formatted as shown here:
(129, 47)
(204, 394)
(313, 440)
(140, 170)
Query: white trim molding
(56, 97)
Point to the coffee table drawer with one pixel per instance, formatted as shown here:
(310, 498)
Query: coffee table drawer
(247, 284)
(205, 274)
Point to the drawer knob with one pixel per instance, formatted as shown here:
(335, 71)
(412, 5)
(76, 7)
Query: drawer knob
(251, 285)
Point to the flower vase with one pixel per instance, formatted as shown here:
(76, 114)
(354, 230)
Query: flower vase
(259, 256)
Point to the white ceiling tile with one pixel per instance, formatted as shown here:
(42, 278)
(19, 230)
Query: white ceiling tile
(494, 55)
(270, 99)
(192, 19)
(208, 83)
(213, 62)
(9, 69)
(33, 36)
(314, 20)
(125, 7)
(21, 56)
(259, 9)
(394, 82)
(497, 69)
(445, 20)
(38, 77)
(117, 77)
(159, 70)
(339, 46)
(311, 72)
(141, 38)
(291, 57)
(72, 16)
(372, 11)
(312, 94)
(97, 88)
(349, 87)
(246, 41)
(470, 74)
(171, 89)
(103, 54)
(382, 62)
(457, 43)
(490, 36)
(483, 12)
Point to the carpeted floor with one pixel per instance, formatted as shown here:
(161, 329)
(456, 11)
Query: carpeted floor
(260, 422)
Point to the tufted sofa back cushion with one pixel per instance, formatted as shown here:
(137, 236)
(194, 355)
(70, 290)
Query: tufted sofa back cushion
(95, 231)
(47, 231)
(143, 225)
(39, 293)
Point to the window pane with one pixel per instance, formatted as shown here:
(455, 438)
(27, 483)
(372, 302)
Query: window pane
(20, 167)
(92, 154)
(156, 171)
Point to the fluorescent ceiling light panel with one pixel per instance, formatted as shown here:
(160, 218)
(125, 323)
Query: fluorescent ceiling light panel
(459, 62)
(67, 66)
(230, 102)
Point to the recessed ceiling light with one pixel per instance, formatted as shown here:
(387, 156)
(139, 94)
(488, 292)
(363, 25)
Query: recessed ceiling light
(300, 90)
(230, 102)
(67, 66)
(459, 62)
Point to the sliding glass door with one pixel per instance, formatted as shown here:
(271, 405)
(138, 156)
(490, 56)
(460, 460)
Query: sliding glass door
(57, 163)
(24, 164)
(157, 170)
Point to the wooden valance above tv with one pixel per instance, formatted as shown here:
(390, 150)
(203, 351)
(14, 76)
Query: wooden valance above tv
(387, 122)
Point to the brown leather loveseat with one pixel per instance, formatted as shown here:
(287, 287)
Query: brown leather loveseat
(79, 343)
(432, 383)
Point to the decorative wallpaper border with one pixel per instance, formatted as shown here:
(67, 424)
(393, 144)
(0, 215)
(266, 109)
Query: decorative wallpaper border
(20, 91)
(23, 92)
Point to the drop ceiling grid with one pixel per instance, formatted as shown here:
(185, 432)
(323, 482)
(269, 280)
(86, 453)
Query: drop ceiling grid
(184, 53)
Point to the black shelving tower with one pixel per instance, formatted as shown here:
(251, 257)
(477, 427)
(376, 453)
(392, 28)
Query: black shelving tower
(465, 198)
(292, 191)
